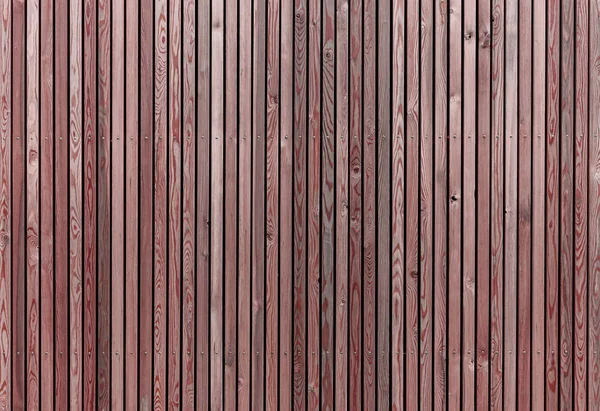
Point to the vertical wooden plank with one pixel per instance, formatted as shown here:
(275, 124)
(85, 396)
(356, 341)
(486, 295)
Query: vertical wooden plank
(398, 94)
(286, 264)
(103, 240)
(524, 146)
(272, 204)
(497, 206)
(440, 191)
(510, 203)
(76, 214)
(90, 217)
(188, 351)
(314, 201)
(259, 125)
(426, 204)
(594, 209)
(132, 223)
(5, 205)
(538, 205)
(32, 207)
(369, 355)
(216, 207)
(411, 142)
(18, 206)
(203, 211)
(61, 215)
(355, 198)
(582, 136)
(469, 170)
(484, 138)
(455, 202)
(327, 353)
(231, 186)
(341, 204)
(145, 197)
(46, 206)
(174, 208)
(566, 233)
(245, 138)
(552, 199)
(300, 199)
(118, 228)
(384, 118)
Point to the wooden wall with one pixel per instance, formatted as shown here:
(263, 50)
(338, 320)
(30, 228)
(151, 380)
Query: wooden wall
(277, 204)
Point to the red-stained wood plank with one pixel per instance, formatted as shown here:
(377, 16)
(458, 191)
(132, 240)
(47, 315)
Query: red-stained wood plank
(314, 208)
(440, 199)
(538, 200)
(524, 211)
(102, 243)
(582, 135)
(355, 172)
(61, 210)
(203, 206)
(484, 139)
(132, 141)
(231, 185)
(46, 206)
(145, 198)
(174, 207)
(593, 261)
(497, 207)
(341, 204)
(455, 203)
(76, 213)
(511, 136)
(5, 205)
(245, 138)
(118, 226)
(32, 205)
(90, 211)
(259, 96)
(411, 244)
(469, 170)
(426, 217)
(552, 199)
(188, 266)
(524, 208)
(369, 204)
(18, 207)
(160, 210)
(300, 200)
(327, 209)
(384, 118)
(272, 205)
(218, 130)
(566, 206)
(397, 199)
(286, 215)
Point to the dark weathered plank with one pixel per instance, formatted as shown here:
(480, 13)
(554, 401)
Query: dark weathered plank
(61, 210)
(132, 148)
(341, 204)
(272, 205)
(383, 274)
(118, 228)
(46, 206)
(327, 209)
(76, 214)
(188, 262)
(6, 205)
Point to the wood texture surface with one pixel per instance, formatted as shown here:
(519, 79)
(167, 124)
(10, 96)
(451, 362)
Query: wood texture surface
(299, 204)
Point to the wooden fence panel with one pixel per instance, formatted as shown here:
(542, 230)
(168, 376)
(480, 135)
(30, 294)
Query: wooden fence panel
(299, 204)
